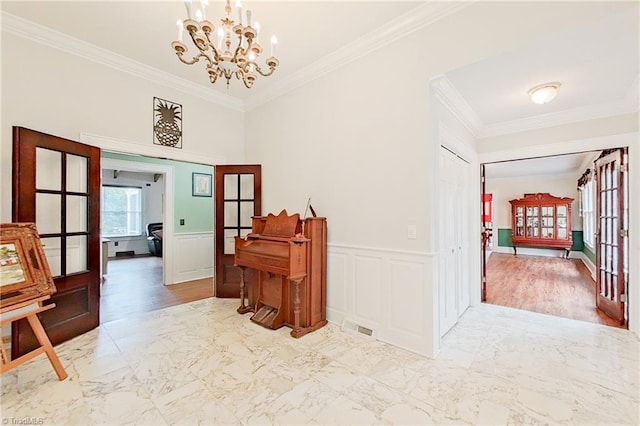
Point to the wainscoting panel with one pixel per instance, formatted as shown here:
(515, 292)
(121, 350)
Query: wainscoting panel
(337, 276)
(407, 292)
(367, 278)
(386, 291)
(193, 254)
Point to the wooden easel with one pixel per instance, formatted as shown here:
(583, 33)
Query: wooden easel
(29, 310)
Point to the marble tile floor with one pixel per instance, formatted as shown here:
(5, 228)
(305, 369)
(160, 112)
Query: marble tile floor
(202, 363)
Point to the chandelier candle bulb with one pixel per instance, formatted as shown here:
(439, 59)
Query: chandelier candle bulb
(204, 4)
(199, 15)
(187, 4)
(180, 29)
(256, 27)
(248, 18)
(220, 37)
(239, 7)
(274, 41)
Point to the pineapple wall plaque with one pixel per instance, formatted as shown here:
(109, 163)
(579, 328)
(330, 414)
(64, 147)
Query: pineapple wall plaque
(167, 123)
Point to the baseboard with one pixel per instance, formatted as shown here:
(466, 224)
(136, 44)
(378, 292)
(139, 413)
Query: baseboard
(588, 263)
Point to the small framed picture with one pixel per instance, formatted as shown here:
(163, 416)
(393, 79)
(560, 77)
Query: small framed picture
(201, 185)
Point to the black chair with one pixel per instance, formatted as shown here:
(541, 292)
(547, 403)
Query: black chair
(154, 239)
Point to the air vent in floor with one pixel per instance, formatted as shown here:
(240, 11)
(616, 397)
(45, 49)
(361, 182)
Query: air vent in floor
(353, 327)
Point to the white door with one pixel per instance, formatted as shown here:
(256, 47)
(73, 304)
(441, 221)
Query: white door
(454, 248)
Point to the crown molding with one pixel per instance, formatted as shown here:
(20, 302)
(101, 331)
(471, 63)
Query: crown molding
(396, 29)
(57, 40)
(456, 104)
(589, 112)
(130, 147)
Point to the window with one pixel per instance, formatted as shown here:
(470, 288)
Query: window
(121, 211)
(588, 225)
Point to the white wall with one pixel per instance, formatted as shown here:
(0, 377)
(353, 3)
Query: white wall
(51, 91)
(359, 139)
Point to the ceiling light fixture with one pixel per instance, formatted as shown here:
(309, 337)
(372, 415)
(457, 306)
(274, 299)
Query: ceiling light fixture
(215, 45)
(543, 93)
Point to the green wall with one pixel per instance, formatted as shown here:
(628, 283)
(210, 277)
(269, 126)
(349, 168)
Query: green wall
(197, 212)
(504, 239)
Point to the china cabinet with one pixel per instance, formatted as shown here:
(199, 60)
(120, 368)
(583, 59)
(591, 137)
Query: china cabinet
(541, 220)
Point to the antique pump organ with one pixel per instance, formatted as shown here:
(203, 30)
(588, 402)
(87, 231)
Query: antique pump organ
(286, 284)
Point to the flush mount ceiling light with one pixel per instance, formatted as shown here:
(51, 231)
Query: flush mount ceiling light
(543, 93)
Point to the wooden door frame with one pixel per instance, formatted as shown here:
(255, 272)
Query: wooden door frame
(168, 266)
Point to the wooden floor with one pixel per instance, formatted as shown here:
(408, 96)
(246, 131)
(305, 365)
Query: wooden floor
(547, 285)
(134, 285)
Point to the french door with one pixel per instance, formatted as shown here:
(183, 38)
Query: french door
(56, 184)
(238, 199)
(612, 253)
(484, 235)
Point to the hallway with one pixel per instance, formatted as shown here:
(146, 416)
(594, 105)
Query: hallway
(547, 285)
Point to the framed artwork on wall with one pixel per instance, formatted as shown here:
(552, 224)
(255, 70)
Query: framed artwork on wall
(201, 185)
(24, 270)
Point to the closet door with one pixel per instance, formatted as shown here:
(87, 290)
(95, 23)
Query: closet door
(453, 264)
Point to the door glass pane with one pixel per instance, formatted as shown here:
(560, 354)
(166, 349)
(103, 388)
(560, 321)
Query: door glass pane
(48, 213)
(230, 213)
(246, 187)
(76, 173)
(53, 254)
(230, 187)
(229, 241)
(76, 254)
(48, 169)
(76, 213)
(562, 233)
(562, 211)
(246, 212)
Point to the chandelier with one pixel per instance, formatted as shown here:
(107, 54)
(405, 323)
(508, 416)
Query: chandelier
(228, 50)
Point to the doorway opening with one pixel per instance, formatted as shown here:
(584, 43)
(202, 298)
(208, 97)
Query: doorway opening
(138, 238)
(525, 269)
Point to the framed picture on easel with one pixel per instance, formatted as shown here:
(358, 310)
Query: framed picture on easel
(24, 271)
